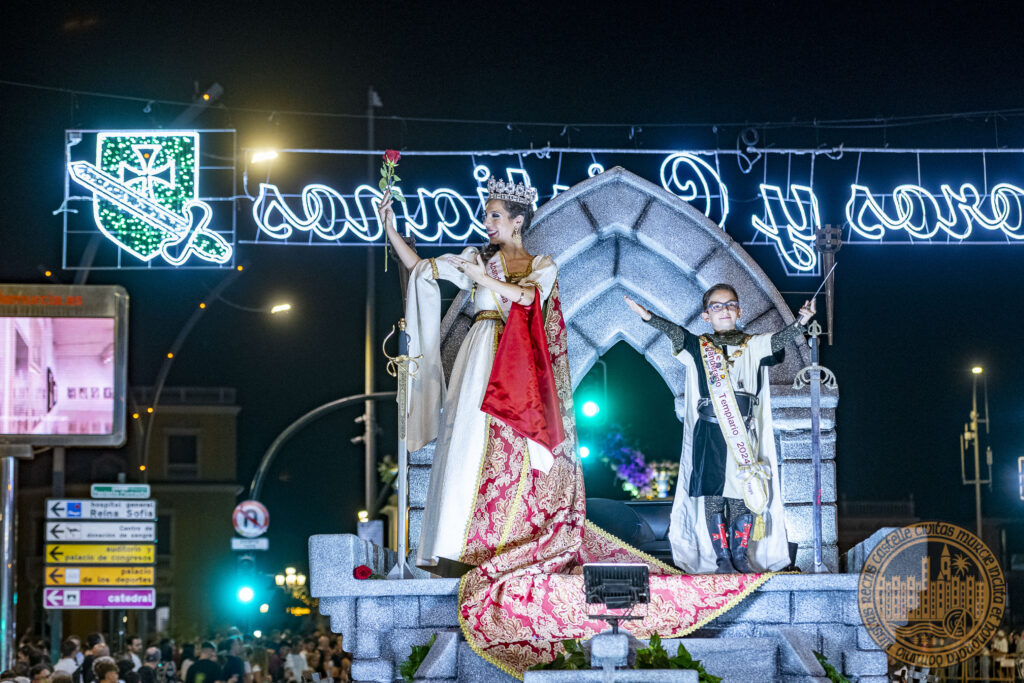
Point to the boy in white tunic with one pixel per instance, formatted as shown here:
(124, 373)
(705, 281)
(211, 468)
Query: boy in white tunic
(728, 472)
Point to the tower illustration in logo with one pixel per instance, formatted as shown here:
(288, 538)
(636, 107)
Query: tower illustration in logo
(926, 617)
(146, 187)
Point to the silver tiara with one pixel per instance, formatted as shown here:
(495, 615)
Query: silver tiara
(519, 193)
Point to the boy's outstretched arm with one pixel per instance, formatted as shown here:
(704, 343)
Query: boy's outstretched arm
(787, 334)
(675, 333)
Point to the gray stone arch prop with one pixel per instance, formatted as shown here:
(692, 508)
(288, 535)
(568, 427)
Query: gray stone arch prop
(617, 234)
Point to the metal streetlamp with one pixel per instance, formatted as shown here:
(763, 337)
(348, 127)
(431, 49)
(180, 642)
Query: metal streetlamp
(969, 436)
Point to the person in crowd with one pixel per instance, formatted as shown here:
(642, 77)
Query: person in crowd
(30, 655)
(126, 669)
(41, 673)
(60, 677)
(341, 661)
(260, 661)
(276, 653)
(104, 669)
(79, 655)
(68, 661)
(234, 667)
(294, 665)
(188, 657)
(135, 651)
(168, 670)
(95, 646)
(985, 663)
(315, 663)
(149, 672)
(205, 669)
(1000, 652)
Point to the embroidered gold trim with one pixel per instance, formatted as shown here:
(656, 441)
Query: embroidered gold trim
(476, 489)
(433, 268)
(513, 278)
(735, 355)
(487, 315)
(672, 571)
(464, 627)
(515, 502)
(754, 585)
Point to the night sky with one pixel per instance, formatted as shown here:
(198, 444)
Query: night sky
(910, 321)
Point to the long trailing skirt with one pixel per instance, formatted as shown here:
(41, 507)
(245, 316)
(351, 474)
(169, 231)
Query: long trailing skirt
(529, 538)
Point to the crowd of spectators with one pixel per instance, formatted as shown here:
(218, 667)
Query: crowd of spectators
(1000, 661)
(228, 658)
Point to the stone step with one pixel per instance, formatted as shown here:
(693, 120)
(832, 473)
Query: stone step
(733, 659)
(473, 667)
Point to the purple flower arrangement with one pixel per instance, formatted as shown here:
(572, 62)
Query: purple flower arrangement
(638, 476)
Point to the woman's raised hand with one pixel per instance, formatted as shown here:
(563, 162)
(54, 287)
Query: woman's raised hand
(474, 268)
(638, 309)
(386, 211)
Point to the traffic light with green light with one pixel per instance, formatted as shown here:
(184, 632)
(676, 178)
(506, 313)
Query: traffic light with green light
(245, 574)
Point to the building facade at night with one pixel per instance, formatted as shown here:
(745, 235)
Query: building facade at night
(191, 469)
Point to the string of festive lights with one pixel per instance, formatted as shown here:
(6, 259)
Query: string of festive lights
(632, 127)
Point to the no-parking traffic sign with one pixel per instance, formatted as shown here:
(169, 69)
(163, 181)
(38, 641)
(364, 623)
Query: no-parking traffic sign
(250, 518)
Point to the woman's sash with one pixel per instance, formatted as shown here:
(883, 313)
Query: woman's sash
(755, 476)
(521, 391)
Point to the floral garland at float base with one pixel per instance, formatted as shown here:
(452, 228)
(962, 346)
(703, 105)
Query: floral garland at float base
(640, 479)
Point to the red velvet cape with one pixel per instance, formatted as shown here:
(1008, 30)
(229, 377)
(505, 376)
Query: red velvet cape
(521, 391)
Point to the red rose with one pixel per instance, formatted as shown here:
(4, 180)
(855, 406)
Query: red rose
(392, 156)
(362, 572)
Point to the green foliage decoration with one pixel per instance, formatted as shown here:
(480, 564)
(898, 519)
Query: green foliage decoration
(830, 671)
(410, 666)
(654, 656)
(574, 658)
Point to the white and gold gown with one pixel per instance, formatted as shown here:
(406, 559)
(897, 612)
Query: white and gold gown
(452, 414)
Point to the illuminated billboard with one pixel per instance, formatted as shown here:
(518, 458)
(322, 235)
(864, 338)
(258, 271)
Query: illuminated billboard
(63, 353)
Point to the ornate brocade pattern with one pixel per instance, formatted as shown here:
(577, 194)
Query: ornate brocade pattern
(529, 538)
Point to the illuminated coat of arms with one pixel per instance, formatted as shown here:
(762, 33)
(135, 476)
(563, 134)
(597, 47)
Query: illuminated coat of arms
(146, 196)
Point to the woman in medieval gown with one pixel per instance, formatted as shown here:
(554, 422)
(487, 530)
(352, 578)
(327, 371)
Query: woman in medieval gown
(506, 488)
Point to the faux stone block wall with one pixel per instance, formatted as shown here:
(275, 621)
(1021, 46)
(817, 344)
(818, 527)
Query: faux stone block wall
(769, 636)
(617, 234)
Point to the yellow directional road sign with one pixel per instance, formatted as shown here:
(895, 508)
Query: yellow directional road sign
(100, 553)
(100, 576)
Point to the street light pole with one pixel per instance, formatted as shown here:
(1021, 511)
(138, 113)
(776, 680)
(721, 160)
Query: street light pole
(370, 415)
(971, 435)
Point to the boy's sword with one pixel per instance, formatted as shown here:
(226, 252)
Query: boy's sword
(822, 285)
(813, 375)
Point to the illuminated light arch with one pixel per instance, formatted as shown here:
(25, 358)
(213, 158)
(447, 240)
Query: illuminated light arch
(922, 214)
(146, 200)
(325, 212)
(705, 183)
(795, 240)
